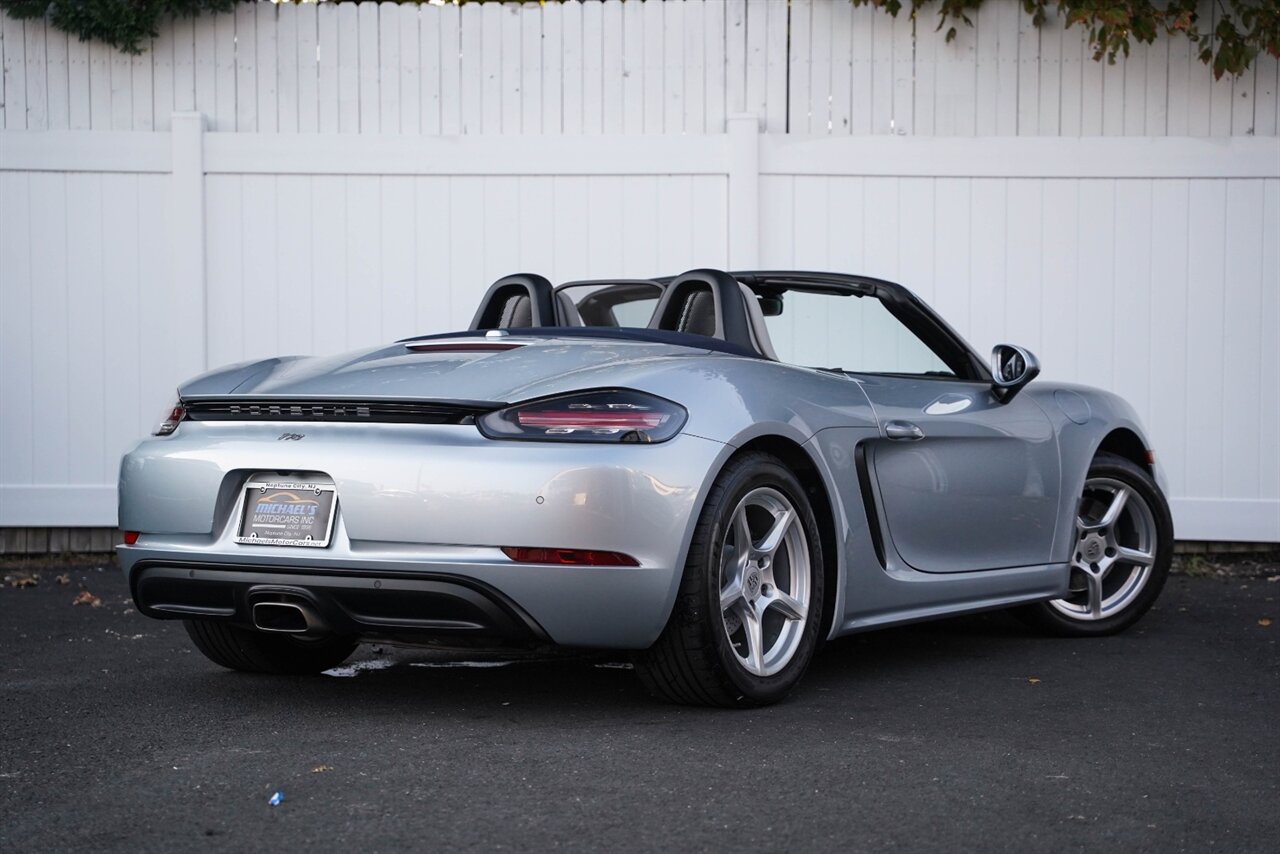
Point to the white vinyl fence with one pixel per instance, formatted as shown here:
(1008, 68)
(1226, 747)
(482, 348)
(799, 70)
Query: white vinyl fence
(614, 67)
(224, 197)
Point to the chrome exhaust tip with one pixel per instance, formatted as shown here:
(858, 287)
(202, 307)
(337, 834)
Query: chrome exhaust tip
(283, 617)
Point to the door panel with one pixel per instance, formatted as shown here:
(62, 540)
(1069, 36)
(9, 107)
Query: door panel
(968, 483)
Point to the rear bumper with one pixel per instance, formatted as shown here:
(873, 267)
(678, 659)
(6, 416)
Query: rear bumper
(407, 607)
(582, 606)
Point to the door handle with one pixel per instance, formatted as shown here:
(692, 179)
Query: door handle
(903, 431)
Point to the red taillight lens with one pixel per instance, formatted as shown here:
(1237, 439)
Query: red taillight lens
(172, 419)
(130, 537)
(568, 557)
(611, 416)
(568, 418)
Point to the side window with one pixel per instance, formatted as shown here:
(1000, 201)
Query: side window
(822, 330)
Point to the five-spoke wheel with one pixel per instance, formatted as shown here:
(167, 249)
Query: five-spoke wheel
(1114, 550)
(746, 620)
(1120, 552)
(764, 581)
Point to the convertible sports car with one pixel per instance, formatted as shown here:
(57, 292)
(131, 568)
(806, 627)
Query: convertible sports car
(717, 470)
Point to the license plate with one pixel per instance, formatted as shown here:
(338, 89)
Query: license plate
(287, 514)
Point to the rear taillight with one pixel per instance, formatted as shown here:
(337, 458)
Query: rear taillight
(130, 537)
(172, 419)
(615, 415)
(568, 557)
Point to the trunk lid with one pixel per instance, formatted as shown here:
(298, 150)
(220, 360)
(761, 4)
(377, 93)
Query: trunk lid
(523, 368)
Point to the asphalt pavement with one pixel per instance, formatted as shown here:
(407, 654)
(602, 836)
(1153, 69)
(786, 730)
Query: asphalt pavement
(971, 734)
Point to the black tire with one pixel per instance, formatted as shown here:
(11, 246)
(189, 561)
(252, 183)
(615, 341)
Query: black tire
(261, 652)
(694, 661)
(1050, 617)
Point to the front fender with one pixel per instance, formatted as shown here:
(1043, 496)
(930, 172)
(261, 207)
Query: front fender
(1083, 418)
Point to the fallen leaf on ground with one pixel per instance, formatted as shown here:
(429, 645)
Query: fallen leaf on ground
(320, 769)
(1264, 622)
(1034, 680)
(21, 580)
(84, 597)
(64, 579)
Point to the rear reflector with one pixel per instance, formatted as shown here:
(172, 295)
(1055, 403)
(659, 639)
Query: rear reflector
(568, 557)
(130, 537)
(1151, 458)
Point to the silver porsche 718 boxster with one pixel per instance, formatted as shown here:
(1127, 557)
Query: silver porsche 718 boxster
(717, 471)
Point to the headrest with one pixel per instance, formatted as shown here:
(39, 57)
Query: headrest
(520, 300)
(705, 302)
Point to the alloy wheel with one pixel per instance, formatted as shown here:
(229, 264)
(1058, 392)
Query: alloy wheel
(764, 581)
(1114, 551)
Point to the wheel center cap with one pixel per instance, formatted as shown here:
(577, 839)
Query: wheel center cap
(1093, 549)
(752, 584)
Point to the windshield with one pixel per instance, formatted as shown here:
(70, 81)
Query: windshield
(847, 332)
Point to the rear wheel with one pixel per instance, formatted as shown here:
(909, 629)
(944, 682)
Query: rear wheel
(745, 624)
(1121, 550)
(262, 652)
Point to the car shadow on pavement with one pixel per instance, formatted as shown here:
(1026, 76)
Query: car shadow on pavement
(384, 681)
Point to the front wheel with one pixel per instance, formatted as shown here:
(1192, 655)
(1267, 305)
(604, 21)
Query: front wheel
(1121, 550)
(745, 624)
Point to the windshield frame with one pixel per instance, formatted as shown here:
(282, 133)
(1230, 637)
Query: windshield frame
(908, 309)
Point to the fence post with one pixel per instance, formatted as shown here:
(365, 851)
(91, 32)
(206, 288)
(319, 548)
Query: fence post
(186, 188)
(744, 192)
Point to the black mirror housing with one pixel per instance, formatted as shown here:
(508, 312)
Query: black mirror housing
(1011, 368)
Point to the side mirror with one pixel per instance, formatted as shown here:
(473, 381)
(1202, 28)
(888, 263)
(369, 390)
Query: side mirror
(1011, 368)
